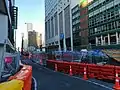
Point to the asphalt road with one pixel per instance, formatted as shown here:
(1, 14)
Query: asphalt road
(50, 80)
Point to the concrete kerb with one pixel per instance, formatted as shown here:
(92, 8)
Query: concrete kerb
(35, 83)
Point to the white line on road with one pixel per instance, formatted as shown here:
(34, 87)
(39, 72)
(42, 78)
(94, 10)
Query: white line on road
(95, 83)
(35, 83)
(101, 85)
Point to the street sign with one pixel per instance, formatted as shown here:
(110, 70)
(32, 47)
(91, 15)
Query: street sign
(61, 36)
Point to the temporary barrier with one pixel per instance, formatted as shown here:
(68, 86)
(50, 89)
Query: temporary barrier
(51, 64)
(25, 74)
(105, 72)
(78, 68)
(93, 71)
(12, 85)
(39, 57)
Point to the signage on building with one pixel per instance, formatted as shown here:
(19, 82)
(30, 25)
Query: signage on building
(61, 36)
(84, 3)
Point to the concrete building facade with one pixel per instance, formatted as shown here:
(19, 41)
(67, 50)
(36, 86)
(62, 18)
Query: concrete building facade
(58, 24)
(104, 23)
(76, 27)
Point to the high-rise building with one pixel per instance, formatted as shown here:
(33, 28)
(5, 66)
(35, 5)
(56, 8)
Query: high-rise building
(104, 23)
(84, 23)
(32, 38)
(8, 23)
(76, 27)
(58, 24)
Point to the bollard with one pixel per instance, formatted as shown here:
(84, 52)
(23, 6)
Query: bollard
(56, 67)
(85, 74)
(70, 71)
(116, 86)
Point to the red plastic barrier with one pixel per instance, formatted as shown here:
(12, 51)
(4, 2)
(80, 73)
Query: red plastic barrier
(107, 72)
(25, 74)
(63, 67)
(101, 72)
(93, 71)
(78, 68)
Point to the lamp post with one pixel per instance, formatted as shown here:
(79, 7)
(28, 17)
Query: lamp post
(22, 43)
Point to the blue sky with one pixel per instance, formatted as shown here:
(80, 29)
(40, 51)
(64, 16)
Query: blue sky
(30, 11)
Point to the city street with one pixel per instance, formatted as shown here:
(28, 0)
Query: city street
(49, 80)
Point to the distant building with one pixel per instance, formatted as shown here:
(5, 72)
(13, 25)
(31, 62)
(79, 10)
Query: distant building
(39, 39)
(32, 38)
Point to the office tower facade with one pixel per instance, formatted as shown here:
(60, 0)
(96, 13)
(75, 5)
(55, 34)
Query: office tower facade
(104, 23)
(58, 24)
(76, 27)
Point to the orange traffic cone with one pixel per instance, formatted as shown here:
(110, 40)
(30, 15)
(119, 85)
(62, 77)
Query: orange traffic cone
(117, 85)
(56, 67)
(71, 71)
(41, 61)
(85, 74)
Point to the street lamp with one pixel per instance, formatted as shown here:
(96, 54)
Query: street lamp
(22, 43)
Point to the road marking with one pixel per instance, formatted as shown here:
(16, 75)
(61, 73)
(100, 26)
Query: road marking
(35, 85)
(95, 83)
